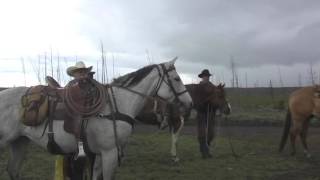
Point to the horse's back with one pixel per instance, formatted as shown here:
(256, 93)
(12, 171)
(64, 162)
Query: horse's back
(301, 102)
(10, 100)
(12, 95)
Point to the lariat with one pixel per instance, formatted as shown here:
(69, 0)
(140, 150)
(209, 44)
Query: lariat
(94, 92)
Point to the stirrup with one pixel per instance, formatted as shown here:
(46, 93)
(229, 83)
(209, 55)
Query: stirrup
(80, 152)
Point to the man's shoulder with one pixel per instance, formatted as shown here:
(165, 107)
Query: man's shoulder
(206, 83)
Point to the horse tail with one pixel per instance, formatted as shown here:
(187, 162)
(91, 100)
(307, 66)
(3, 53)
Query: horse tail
(285, 131)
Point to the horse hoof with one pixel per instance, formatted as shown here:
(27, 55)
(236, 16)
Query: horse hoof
(175, 159)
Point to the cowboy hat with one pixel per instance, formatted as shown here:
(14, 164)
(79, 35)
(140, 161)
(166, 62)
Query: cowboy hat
(78, 66)
(204, 72)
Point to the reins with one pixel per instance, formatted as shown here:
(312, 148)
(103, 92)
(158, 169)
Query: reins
(234, 154)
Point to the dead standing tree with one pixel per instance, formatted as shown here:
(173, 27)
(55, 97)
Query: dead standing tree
(235, 77)
(312, 74)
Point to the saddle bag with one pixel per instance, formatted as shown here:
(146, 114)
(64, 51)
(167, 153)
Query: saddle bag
(34, 106)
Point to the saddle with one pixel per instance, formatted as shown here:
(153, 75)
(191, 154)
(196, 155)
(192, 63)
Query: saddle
(34, 106)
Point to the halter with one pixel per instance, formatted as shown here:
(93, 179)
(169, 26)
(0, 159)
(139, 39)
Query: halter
(169, 84)
(158, 85)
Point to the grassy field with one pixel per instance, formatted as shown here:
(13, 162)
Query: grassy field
(147, 155)
(147, 158)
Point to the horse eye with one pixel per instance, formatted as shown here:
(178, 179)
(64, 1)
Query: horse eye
(177, 79)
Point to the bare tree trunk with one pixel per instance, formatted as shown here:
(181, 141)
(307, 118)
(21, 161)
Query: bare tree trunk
(271, 90)
(39, 69)
(24, 71)
(299, 80)
(112, 65)
(51, 63)
(233, 71)
(45, 63)
(148, 56)
(104, 70)
(58, 70)
(312, 76)
(280, 77)
(246, 76)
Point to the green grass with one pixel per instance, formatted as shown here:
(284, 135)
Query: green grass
(39, 165)
(258, 109)
(148, 158)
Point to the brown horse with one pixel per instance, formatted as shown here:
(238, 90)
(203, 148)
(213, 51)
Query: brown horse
(208, 100)
(303, 104)
(161, 113)
(214, 95)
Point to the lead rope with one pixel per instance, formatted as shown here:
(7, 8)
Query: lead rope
(234, 154)
(207, 125)
(115, 107)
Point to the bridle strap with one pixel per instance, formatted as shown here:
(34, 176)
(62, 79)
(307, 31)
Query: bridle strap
(158, 85)
(170, 84)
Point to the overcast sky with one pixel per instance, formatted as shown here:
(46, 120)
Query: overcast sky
(266, 39)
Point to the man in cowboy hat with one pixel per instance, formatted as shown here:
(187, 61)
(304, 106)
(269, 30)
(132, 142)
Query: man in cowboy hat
(205, 116)
(205, 76)
(79, 71)
(67, 166)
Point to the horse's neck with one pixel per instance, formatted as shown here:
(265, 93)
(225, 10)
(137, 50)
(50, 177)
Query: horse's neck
(131, 103)
(191, 88)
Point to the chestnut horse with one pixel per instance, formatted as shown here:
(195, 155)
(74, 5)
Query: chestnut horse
(303, 104)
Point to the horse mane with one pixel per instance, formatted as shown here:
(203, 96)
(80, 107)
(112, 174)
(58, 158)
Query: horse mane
(134, 77)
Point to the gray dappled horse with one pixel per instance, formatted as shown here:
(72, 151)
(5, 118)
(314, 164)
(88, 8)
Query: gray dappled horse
(130, 92)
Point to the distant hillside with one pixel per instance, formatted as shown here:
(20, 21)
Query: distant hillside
(261, 91)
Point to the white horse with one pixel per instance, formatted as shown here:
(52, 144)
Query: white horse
(130, 92)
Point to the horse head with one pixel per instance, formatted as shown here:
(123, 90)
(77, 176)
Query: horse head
(218, 98)
(172, 88)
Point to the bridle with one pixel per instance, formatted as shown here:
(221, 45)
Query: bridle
(163, 74)
(168, 83)
(214, 95)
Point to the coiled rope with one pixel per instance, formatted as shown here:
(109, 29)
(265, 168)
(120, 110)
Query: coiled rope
(94, 96)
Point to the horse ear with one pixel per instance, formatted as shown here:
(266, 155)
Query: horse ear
(173, 60)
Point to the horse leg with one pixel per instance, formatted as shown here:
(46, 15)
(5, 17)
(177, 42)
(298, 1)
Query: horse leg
(97, 168)
(211, 126)
(17, 154)
(303, 136)
(202, 135)
(109, 163)
(294, 131)
(174, 139)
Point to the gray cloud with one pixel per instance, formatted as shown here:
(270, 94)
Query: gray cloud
(253, 32)
(207, 33)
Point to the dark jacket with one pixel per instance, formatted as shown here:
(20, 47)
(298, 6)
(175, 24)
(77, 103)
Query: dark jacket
(204, 90)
